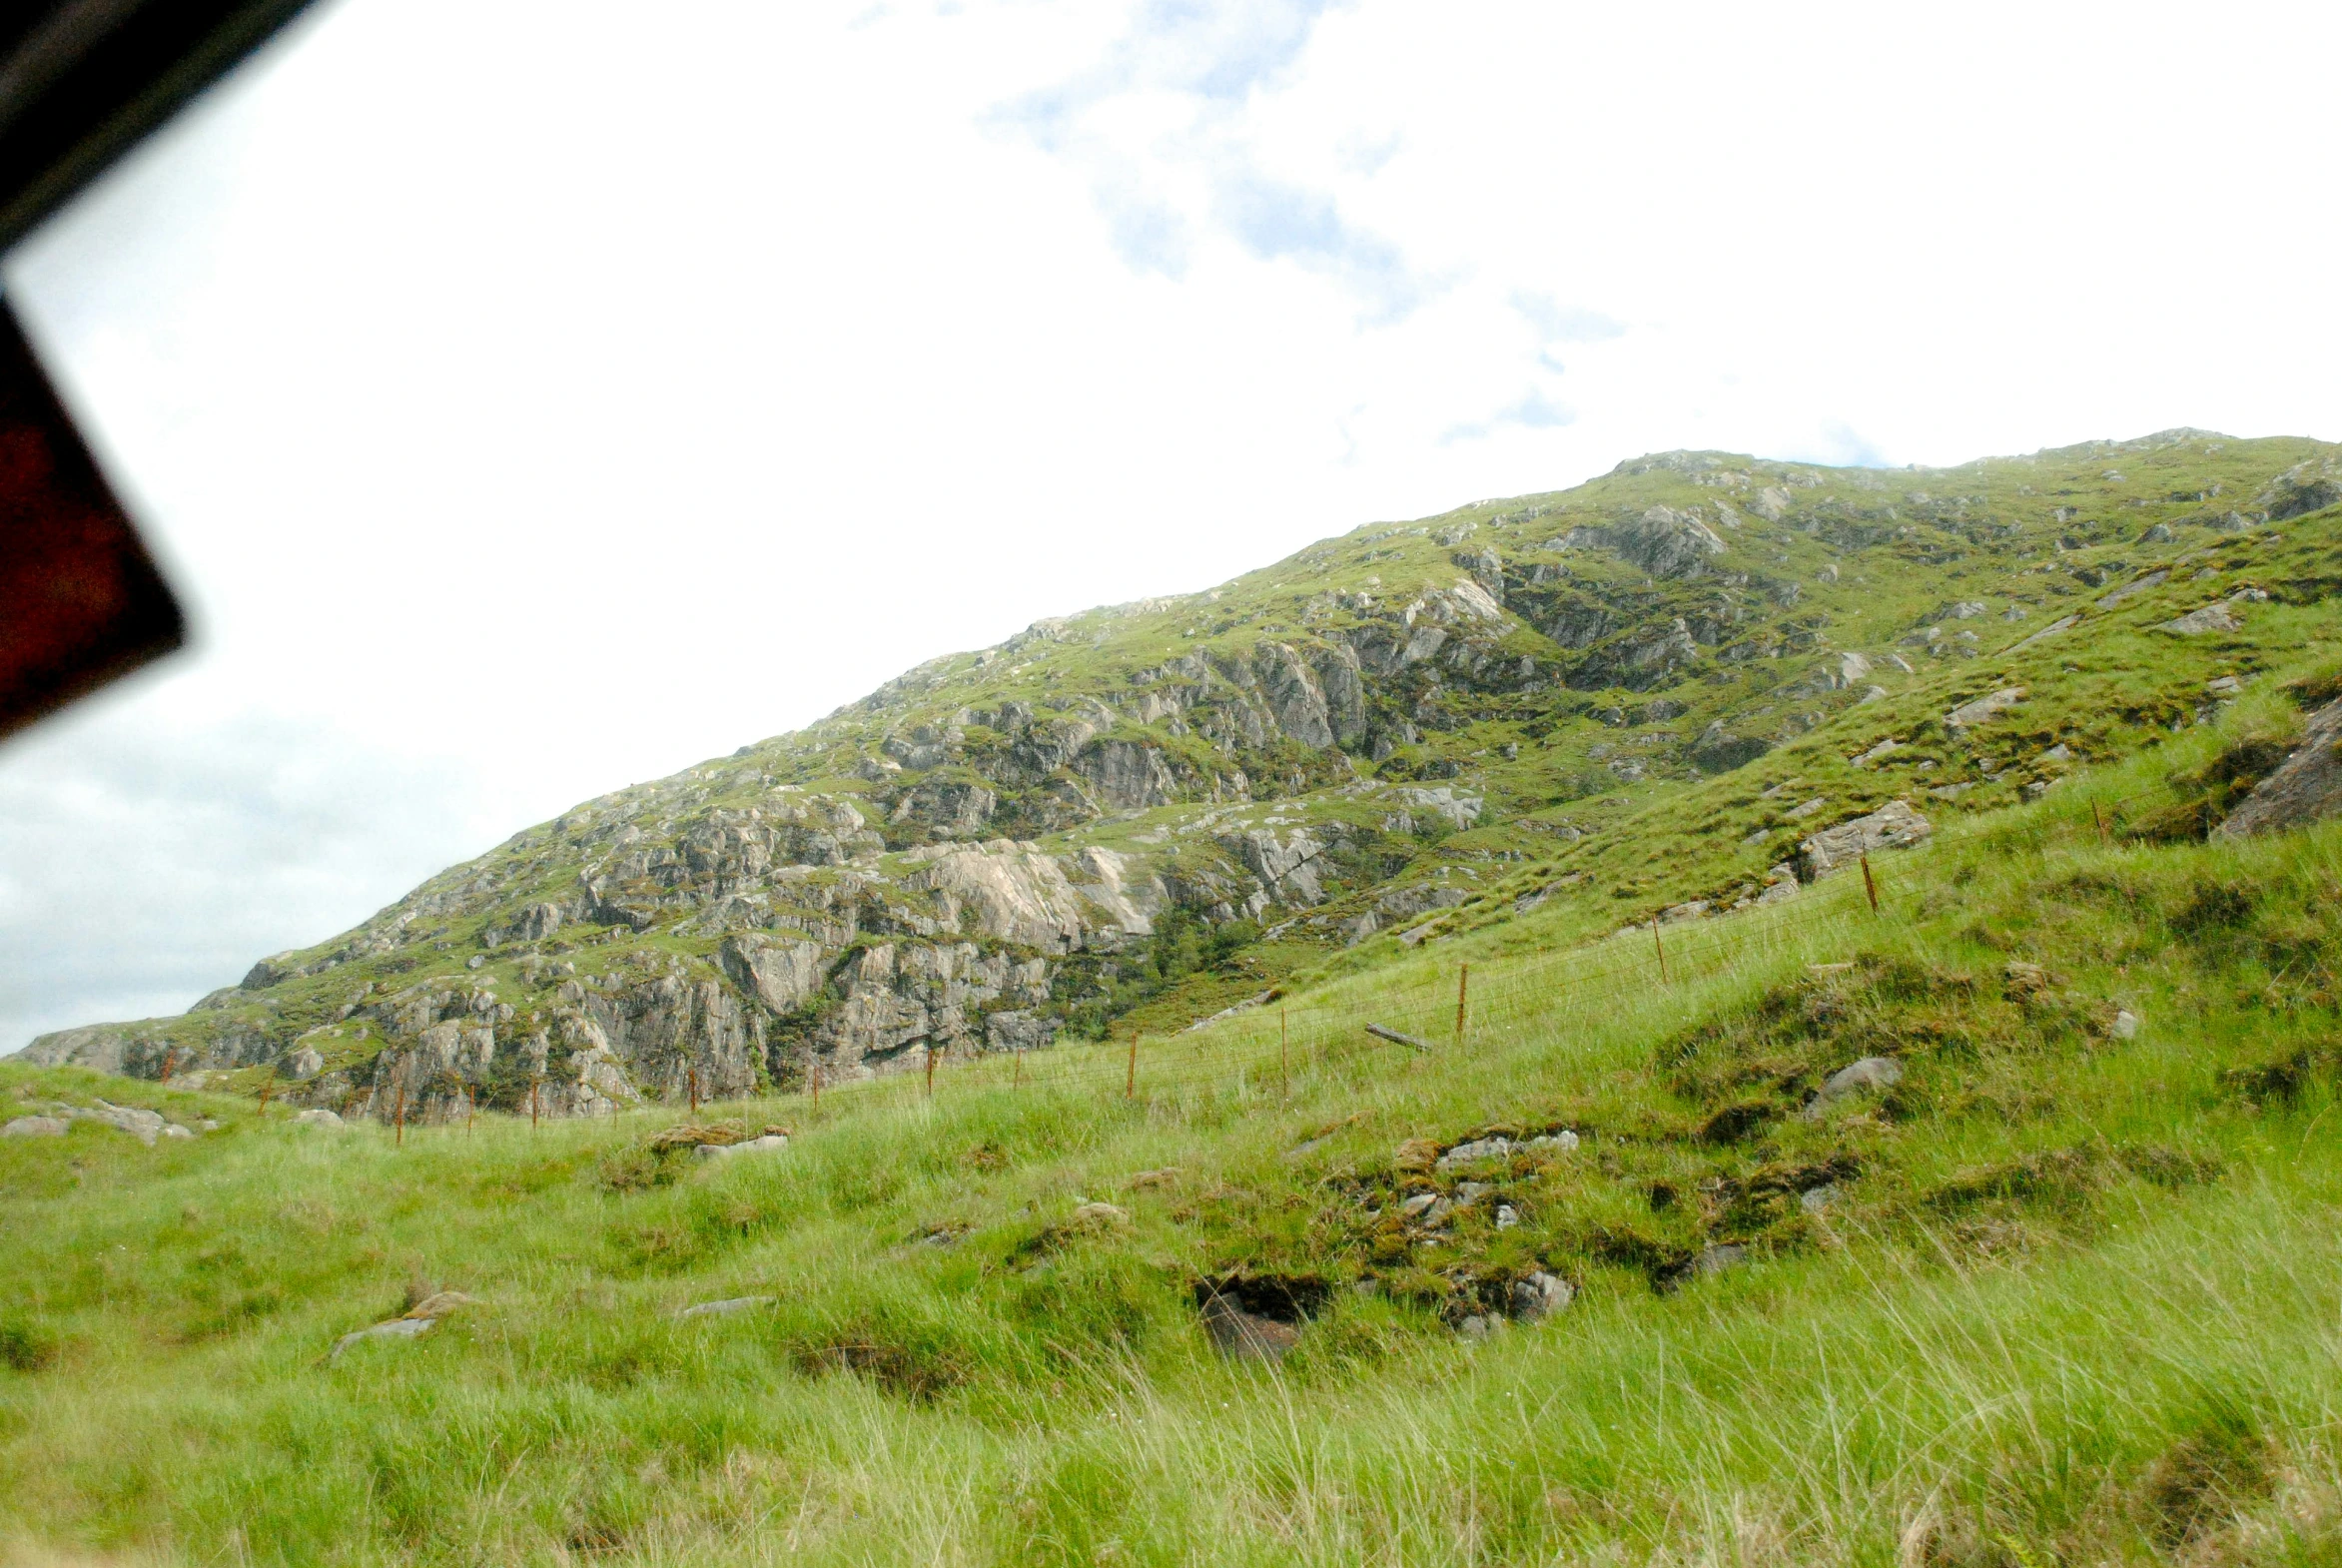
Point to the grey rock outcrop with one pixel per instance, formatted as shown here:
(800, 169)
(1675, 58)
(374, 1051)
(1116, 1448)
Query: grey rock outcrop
(2307, 787)
(783, 973)
(1985, 709)
(2196, 623)
(1011, 892)
(1668, 543)
(1127, 776)
(1893, 826)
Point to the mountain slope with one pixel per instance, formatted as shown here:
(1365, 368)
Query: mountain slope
(1639, 697)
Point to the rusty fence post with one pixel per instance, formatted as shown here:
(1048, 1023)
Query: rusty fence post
(1130, 1078)
(1285, 1053)
(535, 1084)
(1870, 885)
(1463, 990)
(1660, 948)
(398, 1117)
(813, 1077)
(2099, 818)
(691, 1075)
(931, 1071)
(1018, 1081)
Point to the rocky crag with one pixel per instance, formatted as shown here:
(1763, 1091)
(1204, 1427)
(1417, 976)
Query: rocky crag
(1692, 684)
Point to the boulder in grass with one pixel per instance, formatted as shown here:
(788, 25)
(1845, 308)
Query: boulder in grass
(34, 1127)
(1246, 1337)
(769, 1144)
(2307, 787)
(2195, 623)
(1870, 1074)
(416, 1321)
(1893, 826)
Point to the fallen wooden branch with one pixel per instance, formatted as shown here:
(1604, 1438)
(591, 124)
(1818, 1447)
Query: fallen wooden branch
(1392, 1034)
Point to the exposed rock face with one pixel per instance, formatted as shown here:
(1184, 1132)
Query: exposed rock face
(1127, 776)
(1294, 695)
(903, 1001)
(783, 973)
(2300, 494)
(2307, 786)
(1893, 826)
(99, 1047)
(1668, 543)
(953, 809)
(1284, 866)
(1012, 892)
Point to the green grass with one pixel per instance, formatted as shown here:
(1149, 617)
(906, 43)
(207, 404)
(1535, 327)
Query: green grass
(2077, 1301)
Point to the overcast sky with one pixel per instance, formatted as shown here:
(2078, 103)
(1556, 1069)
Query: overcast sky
(531, 397)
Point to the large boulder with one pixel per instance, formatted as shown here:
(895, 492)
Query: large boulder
(2307, 787)
(1893, 826)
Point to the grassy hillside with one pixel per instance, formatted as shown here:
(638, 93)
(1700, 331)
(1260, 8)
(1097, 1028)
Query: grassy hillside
(1639, 697)
(2064, 1291)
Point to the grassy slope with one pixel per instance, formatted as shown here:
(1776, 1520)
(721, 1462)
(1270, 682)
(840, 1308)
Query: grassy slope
(2077, 1301)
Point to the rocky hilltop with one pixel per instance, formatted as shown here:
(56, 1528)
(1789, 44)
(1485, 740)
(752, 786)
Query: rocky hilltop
(1660, 693)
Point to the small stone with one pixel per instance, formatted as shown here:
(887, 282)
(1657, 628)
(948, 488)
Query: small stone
(174, 1129)
(1560, 1142)
(1469, 1193)
(1417, 1154)
(34, 1127)
(1508, 1216)
(1540, 1295)
(439, 1304)
(771, 1143)
(395, 1329)
(2225, 686)
(1477, 1150)
(2025, 980)
(2036, 789)
(1815, 1198)
(1417, 1204)
(1478, 1326)
(725, 1308)
(2126, 1025)
(1870, 1073)
(1243, 1336)
(1099, 1214)
(317, 1118)
(1716, 1259)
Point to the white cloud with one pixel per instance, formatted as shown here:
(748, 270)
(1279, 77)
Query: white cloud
(530, 417)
